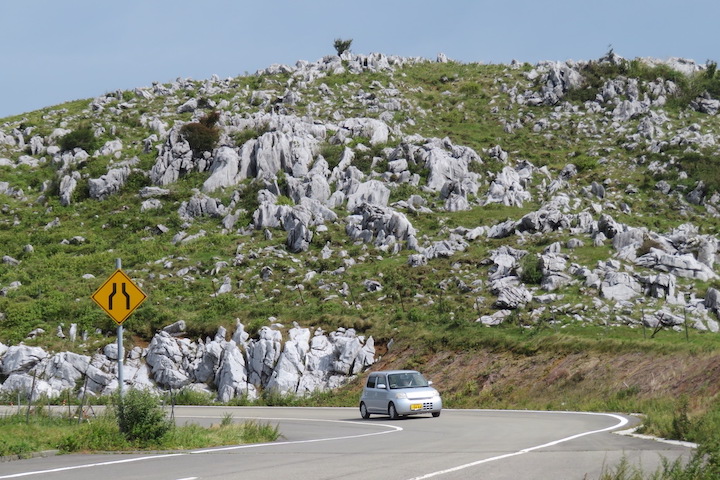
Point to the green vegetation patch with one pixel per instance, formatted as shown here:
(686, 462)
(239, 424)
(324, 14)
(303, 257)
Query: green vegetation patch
(202, 135)
(134, 422)
(82, 137)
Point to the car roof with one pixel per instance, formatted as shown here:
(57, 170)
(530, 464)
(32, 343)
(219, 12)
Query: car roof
(394, 371)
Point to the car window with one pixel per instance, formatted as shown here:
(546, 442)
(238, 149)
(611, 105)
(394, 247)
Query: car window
(407, 380)
(371, 381)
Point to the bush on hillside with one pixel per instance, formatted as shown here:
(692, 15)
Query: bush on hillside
(83, 137)
(202, 135)
(531, 269)
(701, 168)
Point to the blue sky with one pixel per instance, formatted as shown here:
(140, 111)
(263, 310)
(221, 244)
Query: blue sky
(60, 50)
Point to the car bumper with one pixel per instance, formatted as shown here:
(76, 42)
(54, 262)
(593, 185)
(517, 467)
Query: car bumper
(408, 406)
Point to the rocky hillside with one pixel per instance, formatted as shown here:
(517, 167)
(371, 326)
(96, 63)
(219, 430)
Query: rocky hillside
(358, 195)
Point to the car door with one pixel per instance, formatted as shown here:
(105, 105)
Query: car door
(379, 404)
(369, 392)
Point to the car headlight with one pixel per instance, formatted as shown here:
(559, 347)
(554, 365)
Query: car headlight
(401, 395)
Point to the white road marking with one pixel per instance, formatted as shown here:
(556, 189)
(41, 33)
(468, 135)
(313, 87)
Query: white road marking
(393, 429)
(622, 422)
(90, 465)
(632, 433)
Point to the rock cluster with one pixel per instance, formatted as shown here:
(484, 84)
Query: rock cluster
(239, 366)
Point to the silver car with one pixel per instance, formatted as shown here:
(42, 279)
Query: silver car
(398, 393)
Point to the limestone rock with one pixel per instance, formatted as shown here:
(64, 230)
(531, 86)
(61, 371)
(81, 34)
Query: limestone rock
(108, 184)
(175, 159)
(620, 286)
(680, 265)
(263, 354)
(231, 378)
(381, 225)
(176, 328)
(165, 357)
(373, 192)
(553, 268)
(376, 130)
(21, 358)
(68, 184)
(291, 364)
(511, 294)
(507, 189)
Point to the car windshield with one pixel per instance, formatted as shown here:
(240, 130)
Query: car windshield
(407, 380)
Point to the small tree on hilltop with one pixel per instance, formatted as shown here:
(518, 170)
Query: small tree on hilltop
(342, 46)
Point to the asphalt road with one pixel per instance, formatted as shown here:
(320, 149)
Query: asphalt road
(333, 443)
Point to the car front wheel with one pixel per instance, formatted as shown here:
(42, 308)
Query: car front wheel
(392, 411)
(435, 414)
(363, 411)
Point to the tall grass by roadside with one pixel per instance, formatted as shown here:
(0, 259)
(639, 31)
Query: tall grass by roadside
(704, 464)
(103, 434)
(22, 435)
(136, 422)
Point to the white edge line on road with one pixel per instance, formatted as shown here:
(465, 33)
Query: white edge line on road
(297, 442)
(90, 465)
(393, 428)
(633, 433)
(622, 422)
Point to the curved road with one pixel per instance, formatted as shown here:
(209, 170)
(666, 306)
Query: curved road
(332, 443)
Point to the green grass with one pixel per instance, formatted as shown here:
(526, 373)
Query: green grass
(21, 437)
(41, 431)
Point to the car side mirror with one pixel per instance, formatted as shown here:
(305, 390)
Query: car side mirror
(382, 386)
(430, 382)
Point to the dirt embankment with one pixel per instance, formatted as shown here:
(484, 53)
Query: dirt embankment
(485, 378)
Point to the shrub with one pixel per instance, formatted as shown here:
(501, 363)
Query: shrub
(283, 200)
(140, 418)
(531, 270)
(470, 89)
(342, 46)
(711, 69)
(647, 245)
(82, 137)
(332, 154)
(700, 167)
(249, 133)
(403, 192)
(585, 164)
(681, 425)
(203, 135)
(254, 432)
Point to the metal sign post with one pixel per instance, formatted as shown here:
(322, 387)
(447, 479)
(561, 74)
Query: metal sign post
(120, 352)
(119, 297)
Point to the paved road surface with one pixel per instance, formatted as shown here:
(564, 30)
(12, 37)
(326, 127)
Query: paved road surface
(333, 443)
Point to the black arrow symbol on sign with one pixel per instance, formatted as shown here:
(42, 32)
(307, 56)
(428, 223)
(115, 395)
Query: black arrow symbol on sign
(124, 292)
(127, 297)
(110, 298)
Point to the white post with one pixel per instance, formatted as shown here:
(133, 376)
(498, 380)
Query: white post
(120, 352)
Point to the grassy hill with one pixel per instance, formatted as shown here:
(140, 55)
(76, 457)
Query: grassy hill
(577, 351)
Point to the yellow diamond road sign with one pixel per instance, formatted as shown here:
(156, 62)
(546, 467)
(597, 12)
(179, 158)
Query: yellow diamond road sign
(119, 296)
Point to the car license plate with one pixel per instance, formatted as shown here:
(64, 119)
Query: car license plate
(416, 406)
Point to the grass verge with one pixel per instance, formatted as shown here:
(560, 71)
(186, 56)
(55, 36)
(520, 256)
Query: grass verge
(24, 435)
